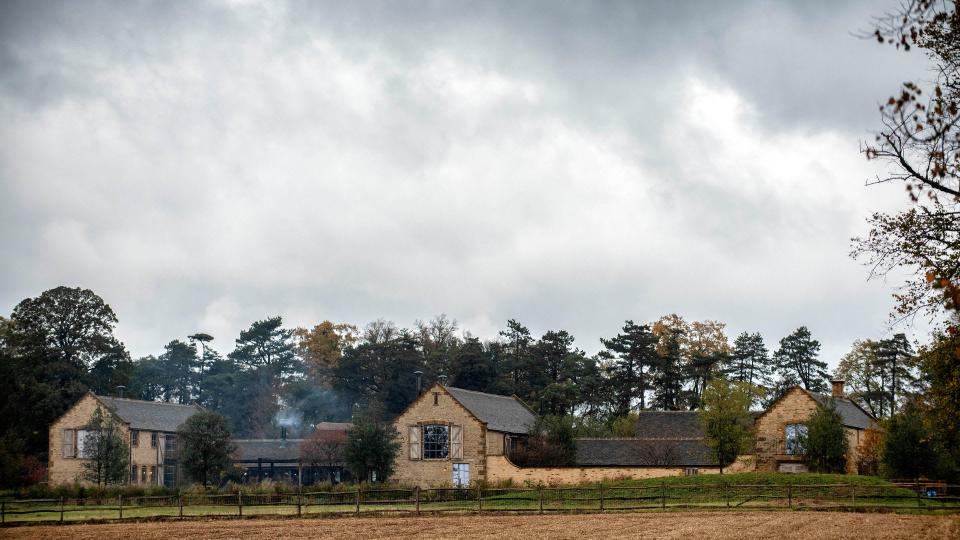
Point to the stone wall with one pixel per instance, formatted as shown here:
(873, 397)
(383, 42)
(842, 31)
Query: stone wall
(437, 406)
(501, 469)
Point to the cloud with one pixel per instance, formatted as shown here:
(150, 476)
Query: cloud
(202, 166)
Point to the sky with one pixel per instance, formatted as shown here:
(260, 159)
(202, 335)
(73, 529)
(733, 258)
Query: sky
(202, 165)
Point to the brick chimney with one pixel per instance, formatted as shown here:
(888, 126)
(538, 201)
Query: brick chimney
(837, 387)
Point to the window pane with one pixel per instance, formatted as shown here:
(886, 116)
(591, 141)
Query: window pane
(436, 442)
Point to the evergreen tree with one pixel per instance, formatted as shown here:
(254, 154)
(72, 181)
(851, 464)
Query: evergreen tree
(894, 357)
(863, 375)
(669, 376)
(515, 352)
(474, 367)
(632, 355)
(826, 442)
(750, 362)
(178, 363)
(796, 360)
(907, 452)
(105, 452)
(267, 346)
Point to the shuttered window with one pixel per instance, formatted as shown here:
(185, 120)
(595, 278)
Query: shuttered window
(414, 442)
(68, 443)
(456, 442)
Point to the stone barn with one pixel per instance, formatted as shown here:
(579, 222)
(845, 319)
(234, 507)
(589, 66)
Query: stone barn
(782, 427)
(448, 433)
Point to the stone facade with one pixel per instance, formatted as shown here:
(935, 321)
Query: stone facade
(64, 464)
(794, 407)
(438, 407)
(500, 470)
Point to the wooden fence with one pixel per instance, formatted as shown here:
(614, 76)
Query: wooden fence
(593, 498)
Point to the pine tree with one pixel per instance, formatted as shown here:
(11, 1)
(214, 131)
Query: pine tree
(750, 362)
(796, 360)
(515, 352)
(826, 441)
(632, 355)
(893, 360)
(668, 376)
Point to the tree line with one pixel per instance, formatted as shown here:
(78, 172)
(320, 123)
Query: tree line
(60, 344)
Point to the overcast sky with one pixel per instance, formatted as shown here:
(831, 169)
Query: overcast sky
(570, 165)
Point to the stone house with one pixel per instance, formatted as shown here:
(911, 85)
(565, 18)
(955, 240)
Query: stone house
(149, 427)
(782, 427)
(448, 434)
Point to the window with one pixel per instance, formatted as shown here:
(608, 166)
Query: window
(82, 439)
(796, 439)
(143, 474)
(436, 398)
(691, 471)
(153, 474)
(133, 473)
(170, 476)
(436, 441)
(134, 438)
(461, 474)
(153, 439)
(68, 446)
(170, 442)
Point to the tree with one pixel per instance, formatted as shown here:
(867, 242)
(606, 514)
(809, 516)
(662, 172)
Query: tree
(474, 367)
(438, 346)
(907, 452)
(267, 346)
(894, 357)
(669, 375)
(371, 449)
(105, 452)
(178, 363)
(708, 350)
(632, 355)
(726, 419)
(939, 404)
(796, 360)
(205, 446)
(750, 362)
(321, 348)
(920, 143)
(207, 357)
(380, 375)
(324, 448)
(826, 441)
(860, 369)
(516, 354)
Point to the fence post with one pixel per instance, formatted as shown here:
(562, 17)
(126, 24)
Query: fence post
(540, 496)
(3, 511)
(663, 495)
(358, 499)
(240, 501)
(853, 495)
(601, 496)
(918, 493)
(726, 493)
(479, 499)
(120, 504)
(180, 502)
(416, 493)
(61, 509)
(789, 495)
(299, 501)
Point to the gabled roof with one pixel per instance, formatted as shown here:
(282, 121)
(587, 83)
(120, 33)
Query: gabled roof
(501, 413)
(149, 415)
(643, 453)
(669, 425)
(850, 413)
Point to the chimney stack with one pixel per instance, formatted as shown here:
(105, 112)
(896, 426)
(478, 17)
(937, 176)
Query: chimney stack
(837, 387)
(419, 375)
(283, 433)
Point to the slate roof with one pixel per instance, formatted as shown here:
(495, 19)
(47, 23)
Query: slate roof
(669, 425)
(149, 415)
(850, 413)
(267, 449)
(506, 414)
(643, 453)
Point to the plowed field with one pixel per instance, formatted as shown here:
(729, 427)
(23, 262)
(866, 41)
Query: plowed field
(697, 525)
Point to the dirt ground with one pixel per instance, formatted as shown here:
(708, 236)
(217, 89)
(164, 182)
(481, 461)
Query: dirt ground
(739, 526)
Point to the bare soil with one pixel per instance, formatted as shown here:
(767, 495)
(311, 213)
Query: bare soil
(698, 525)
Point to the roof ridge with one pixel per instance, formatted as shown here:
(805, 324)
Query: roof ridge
(478, 392)
(149, 401)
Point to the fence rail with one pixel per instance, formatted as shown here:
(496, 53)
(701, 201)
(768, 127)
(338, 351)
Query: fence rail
(592, 498)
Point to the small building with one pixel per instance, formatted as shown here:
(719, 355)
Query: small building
(782, 428)
(149, 427)
(317, 458)
(448, 433)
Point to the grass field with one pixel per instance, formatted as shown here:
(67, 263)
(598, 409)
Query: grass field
(722, 525)
(742, 491)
